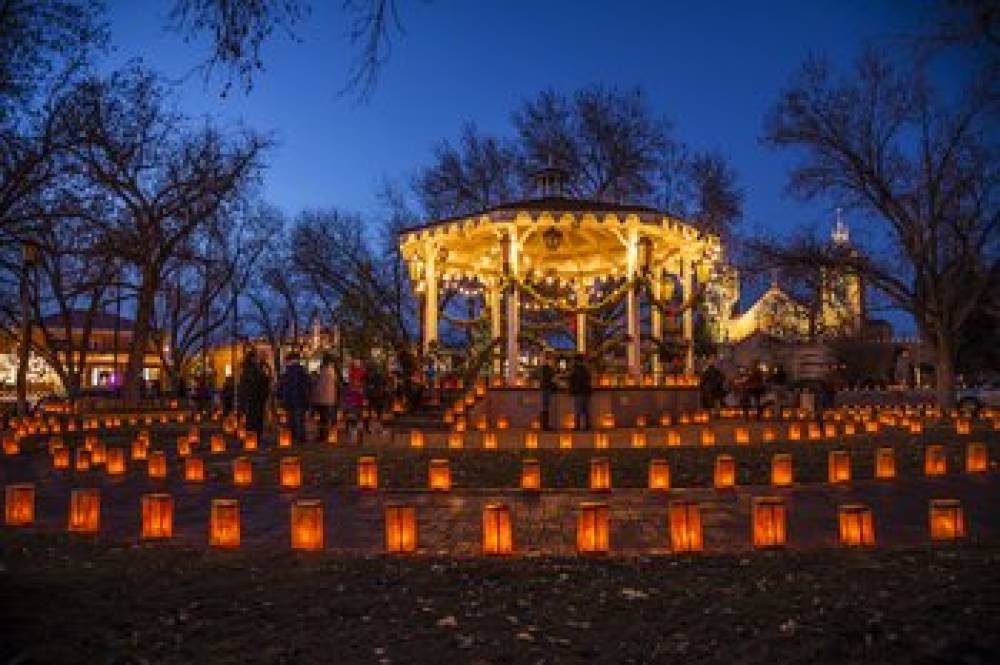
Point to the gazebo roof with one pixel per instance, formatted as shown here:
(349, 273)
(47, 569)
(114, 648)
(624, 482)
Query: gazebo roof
(551, 204)
(592, 238)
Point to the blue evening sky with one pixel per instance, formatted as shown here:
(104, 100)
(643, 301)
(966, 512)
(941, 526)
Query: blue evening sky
(714, 68)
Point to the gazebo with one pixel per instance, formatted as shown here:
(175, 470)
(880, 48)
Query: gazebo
(572, 256)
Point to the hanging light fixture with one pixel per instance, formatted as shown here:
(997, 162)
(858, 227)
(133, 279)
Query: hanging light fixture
(553, 238)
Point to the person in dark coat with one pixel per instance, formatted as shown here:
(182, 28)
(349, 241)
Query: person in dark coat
(780, 377)
(294, 392)
(228, 392)
(580, 388)
(547, 385)
(203, 394)
(252, 394)
(375, 393)
(713, 387)
(756, 388)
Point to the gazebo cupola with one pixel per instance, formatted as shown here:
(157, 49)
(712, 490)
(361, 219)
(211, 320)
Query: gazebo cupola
(550, 181)
(572, 256)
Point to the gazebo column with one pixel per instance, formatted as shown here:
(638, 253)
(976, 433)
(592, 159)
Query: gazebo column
(513, 309)
(494, 303)
(430, 298)
(582, 300)
(687, 280)
(656, 320)
(632, 312)
(632, 301)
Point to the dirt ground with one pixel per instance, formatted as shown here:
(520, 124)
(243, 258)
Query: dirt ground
(75, 600)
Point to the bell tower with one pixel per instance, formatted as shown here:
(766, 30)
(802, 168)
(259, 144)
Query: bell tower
(842, 306)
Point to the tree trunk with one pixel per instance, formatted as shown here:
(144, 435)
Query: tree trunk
(23, 355)
(178, 372)
(944, 373)
(73, 381)
(140, 339)
(24, 346)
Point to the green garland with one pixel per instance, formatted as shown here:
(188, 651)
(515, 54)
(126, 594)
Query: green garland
(604, 323)
(553, 325)
(611, 298)
(464, 322)
(644, 283)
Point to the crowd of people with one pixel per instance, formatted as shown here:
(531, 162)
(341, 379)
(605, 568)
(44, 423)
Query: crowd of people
(752, 388)
(358, 393)
(745, 387)
(361, 394)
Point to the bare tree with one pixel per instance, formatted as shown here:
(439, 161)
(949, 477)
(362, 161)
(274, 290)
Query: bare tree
(717, 204)
(612, 147)
(239, 31)
(359, 285)
(963, 23)
(397, 215)
(196, 301)
(330, 249)
(373, 25)
(609, 141)
(281, 303)
(480, 172)
(44, 43)
(154, 181)
(67, 293)
(920, 171)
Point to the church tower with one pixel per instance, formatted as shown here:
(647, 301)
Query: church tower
(842, 307)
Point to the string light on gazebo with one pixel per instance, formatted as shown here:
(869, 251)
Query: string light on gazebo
(566, 255)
